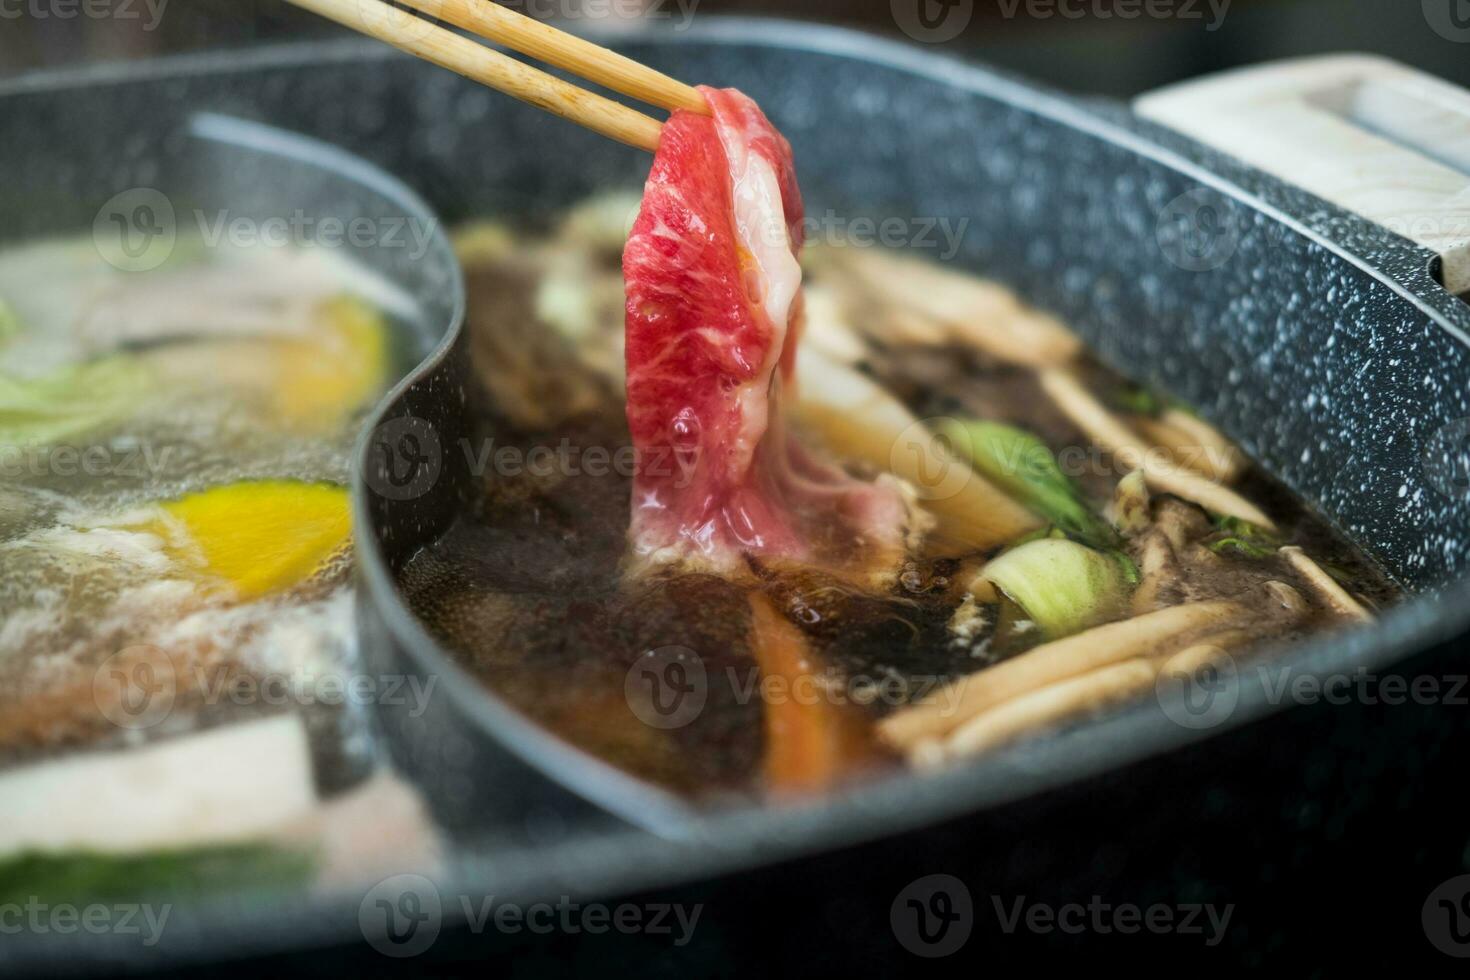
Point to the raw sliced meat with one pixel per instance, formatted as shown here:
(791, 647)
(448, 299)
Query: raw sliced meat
(713, 319)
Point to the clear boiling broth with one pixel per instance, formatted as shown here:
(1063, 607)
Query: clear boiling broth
(154, 428)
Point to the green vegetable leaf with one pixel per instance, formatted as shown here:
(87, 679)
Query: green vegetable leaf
(87, 876)
(1063, 586)
(1022, 466)
(71, 401)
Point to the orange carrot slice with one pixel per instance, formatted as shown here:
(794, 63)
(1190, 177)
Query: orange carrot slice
(813, 737)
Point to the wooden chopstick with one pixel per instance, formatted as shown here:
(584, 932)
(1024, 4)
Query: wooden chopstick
(476, 62)
(579, 56)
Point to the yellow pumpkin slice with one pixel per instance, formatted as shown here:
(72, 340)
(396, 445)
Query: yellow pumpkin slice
(323, 377)
(260, 536)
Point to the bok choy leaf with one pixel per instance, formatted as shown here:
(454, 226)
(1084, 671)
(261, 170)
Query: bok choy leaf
(1022, 466)
(1063, 586)
(71, 401)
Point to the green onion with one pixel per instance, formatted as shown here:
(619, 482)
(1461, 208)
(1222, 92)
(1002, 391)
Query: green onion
(1239, 546)
(1242, 528)
(1240, 537)
(89, 876)
(1138, 400)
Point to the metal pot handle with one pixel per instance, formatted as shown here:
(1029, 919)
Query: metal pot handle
(1368, 134)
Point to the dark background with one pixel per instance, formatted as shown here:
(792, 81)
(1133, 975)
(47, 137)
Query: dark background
(1095, 48)
(1326, 829)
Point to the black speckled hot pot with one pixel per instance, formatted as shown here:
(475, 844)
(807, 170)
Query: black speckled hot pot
(1322, 343)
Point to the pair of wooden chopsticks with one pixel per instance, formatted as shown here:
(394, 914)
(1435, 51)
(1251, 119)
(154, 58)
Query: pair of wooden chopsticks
(484, 18)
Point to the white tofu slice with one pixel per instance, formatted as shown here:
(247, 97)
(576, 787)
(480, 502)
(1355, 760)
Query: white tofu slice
(229, 784)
